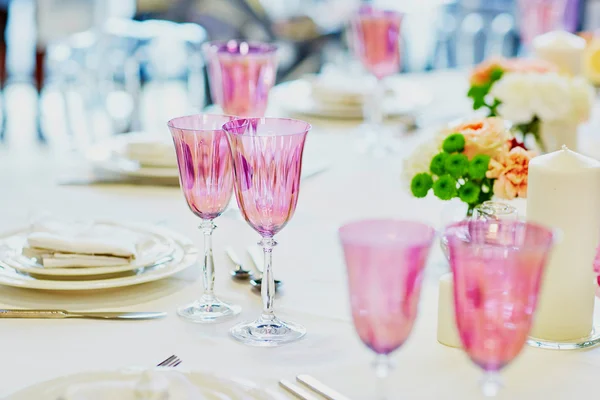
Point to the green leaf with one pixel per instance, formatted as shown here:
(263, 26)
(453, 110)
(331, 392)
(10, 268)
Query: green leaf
(496, 74)
(420, 184)
(445, 187)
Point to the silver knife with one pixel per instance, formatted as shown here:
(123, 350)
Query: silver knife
(62, 314)
(256, 255)
(320, 388)
(296, 390)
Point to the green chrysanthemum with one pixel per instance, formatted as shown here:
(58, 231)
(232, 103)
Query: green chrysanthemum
(469, 193)
(420, 184)
(438, 163)
(479, 166)
(457, 165)
(454, 143)
(445, 187)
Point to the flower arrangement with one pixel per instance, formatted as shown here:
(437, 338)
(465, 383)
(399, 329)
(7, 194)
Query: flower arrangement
(473, 161)
(528, 93)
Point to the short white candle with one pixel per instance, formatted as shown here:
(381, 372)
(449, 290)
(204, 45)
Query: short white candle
(447, 333)
(561, 48)
(564, 193)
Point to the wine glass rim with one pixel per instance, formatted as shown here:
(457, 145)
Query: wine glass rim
(172, 123)
(368, 10)
(451, 233)
(352, 233)
(220, 46)
(245, 121)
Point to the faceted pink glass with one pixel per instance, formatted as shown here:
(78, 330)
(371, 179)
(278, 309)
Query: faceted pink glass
(540, 16)
(204, 159)
(241, 74)
(385, 261)
(376, 40)
(597, 270)
(497, 267)
(267, 161)
(267, 156)
(206, 177)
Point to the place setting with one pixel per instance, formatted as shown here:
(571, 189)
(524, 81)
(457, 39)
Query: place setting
(461, 262)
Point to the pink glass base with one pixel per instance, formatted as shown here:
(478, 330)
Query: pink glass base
(269, 332)
(208, 310)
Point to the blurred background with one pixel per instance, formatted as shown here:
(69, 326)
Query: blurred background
(89, 68)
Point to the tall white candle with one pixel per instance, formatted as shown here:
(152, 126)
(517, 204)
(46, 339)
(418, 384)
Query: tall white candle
(447, 333)
(564, 193)
(561, 48)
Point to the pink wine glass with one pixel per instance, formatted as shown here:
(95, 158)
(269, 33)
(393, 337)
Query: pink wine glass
(241, 74)
(375, 36)
(497, 267)
(206, 178)
(540, 16)
(267, 161)
(385, 261)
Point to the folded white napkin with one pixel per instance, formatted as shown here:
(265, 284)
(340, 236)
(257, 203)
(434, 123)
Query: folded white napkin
(154, 385)
(95, 245)
(151, 151)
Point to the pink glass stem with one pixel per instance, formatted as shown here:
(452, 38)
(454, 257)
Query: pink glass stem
(267, 289)
(208, 269)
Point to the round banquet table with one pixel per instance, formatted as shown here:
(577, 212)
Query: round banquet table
(308, 259)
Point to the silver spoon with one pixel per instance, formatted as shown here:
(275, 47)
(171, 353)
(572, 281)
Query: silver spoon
(239, 273)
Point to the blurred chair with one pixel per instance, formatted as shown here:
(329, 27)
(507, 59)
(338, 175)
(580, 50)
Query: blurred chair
(471, 30)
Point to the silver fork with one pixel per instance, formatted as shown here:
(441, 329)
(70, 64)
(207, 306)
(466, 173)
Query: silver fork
(172, 362)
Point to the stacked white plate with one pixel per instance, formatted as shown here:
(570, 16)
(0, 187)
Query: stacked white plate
(160, 253)
(335, 94)
(136, 155)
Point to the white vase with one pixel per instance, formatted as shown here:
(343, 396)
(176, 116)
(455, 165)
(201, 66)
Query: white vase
(556, 134)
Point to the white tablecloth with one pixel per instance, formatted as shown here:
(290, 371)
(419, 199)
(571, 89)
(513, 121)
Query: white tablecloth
(307, 259)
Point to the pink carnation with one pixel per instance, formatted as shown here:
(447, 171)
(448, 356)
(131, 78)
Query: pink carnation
(510, 172)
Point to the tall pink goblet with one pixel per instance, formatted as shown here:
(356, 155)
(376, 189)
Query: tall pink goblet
(267, 160)
(206, 178)
(375, 36)
(241, 74)
(385, 261)
(540, 16)
(497, 267)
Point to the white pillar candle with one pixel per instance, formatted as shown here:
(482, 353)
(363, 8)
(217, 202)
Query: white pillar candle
(564, 193)
(561, 48)
(447, 333)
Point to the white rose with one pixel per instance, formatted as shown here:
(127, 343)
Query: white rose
(515, 91)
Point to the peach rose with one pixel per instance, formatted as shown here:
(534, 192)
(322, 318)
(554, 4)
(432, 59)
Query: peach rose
(510, 172)
(482, 73)
(487, 136)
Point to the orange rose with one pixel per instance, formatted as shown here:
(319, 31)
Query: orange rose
(487, 136)
(482, 73)
(510, 172)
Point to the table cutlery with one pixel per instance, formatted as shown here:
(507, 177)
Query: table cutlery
(297, 391)
(172, 362)
(320, 388)
(256, 256)
(62, 314)
(239, 273)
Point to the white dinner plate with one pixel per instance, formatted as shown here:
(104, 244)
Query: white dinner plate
(152, 249)
(184, 255)
(407, 99)
(211, 386)
(109, 155)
